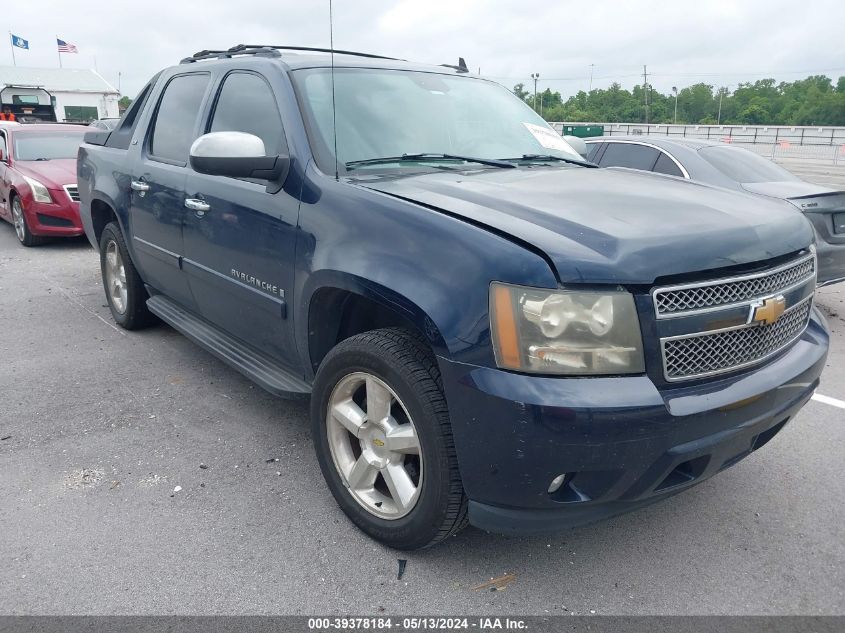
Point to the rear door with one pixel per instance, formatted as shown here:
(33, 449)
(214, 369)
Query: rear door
(240, 234)
(158, 185)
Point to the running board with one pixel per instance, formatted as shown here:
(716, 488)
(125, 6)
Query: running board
(262, 370)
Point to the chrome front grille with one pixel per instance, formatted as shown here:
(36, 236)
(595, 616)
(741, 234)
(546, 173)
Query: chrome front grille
(706, 296)
(732, 348)
(721, 325)
(72, 192)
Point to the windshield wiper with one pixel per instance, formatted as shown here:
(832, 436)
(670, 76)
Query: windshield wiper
(428, 157)
(41, 159)
(540, 158)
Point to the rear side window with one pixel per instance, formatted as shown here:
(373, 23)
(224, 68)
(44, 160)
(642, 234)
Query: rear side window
(666, 165)
(122, 133)
(246, 104)
(176, 119)
(629, 155)
(592, 151)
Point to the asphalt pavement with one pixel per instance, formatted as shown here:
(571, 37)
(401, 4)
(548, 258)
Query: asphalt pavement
(821, 173)
(138, 476)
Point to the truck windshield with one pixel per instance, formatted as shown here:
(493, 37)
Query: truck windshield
(384, 113)
(47, 146)
(742, 165)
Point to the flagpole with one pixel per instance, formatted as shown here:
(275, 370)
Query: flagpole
(60, 52)
(14, 61)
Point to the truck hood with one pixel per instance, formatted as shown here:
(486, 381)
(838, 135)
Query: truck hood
(612, 225)
(53, 174)
(787, 189)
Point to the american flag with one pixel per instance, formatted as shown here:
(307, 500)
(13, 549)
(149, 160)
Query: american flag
(66, 47)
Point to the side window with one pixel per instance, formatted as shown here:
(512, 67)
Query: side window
(4, 153)
(178, 109)
(629, 155)
(122, 133)
(593, 151)
(666, 165)
(246, 104)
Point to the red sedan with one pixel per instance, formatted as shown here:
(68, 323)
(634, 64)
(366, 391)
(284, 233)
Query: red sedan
(38, 193)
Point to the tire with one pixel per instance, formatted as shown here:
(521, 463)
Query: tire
(24, 234)
(125, 291)
(401, 362)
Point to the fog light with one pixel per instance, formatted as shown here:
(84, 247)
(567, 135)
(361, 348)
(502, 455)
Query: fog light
(557, 482)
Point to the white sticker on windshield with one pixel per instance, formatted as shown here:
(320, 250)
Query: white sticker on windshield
(549, 139)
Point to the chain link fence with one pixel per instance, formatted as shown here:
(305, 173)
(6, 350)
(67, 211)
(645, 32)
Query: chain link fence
(823, 145)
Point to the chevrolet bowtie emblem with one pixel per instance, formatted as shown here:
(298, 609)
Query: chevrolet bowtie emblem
(768, 310)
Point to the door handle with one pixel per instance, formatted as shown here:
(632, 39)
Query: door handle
(139, 185)
(195, 204)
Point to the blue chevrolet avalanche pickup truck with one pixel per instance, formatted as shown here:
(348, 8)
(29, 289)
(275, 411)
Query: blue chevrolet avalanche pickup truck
(491, 331)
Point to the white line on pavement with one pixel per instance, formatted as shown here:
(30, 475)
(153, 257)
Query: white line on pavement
(828, 400)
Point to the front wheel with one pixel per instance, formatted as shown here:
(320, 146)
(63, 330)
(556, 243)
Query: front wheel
(384, 441)
(25, 236)
(125, 291)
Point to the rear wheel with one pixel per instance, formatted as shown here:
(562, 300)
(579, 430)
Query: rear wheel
(25, 236)
(384, 441)
(125, 291)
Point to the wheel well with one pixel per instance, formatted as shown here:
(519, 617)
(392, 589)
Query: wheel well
(335, 315)
(101, 214)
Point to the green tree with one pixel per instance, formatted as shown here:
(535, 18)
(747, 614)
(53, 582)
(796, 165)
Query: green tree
(695, 103)
(520, 91)
(815, 100)
(754, 114)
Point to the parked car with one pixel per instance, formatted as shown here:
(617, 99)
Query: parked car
(490, 329)
(104, 124)
(38, 193)
(737, 168)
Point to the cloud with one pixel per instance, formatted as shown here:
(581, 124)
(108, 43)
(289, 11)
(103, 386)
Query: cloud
(721, 42)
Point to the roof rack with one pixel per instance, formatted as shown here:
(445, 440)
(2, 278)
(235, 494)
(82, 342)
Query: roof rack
(264, 50)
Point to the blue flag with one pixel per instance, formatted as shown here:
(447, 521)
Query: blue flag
(19, 42)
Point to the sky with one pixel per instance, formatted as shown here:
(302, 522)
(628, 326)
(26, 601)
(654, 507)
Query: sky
(720, 42)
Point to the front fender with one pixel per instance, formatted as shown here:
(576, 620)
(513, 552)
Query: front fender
(432, 268)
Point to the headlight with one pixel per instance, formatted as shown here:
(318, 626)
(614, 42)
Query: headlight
(565, 332)
(39, 191)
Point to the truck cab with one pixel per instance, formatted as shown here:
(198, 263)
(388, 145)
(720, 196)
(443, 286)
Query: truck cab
(29, 104)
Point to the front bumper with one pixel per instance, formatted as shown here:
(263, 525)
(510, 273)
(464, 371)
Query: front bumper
(58, 219)
(622, 443)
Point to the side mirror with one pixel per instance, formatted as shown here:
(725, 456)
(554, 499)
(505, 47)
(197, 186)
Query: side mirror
(238, 155)
(2, 156)
(577, 144)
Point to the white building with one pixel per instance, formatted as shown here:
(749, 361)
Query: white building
(77, 95)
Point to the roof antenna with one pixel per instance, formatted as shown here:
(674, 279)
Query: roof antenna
(334, 108)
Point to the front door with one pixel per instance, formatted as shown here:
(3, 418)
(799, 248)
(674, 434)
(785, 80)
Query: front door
(240, 234)
(158, 187)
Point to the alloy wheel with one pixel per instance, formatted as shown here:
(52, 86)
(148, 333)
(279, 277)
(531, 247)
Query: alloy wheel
(115, 277)
(374, 445)
(17, 219)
